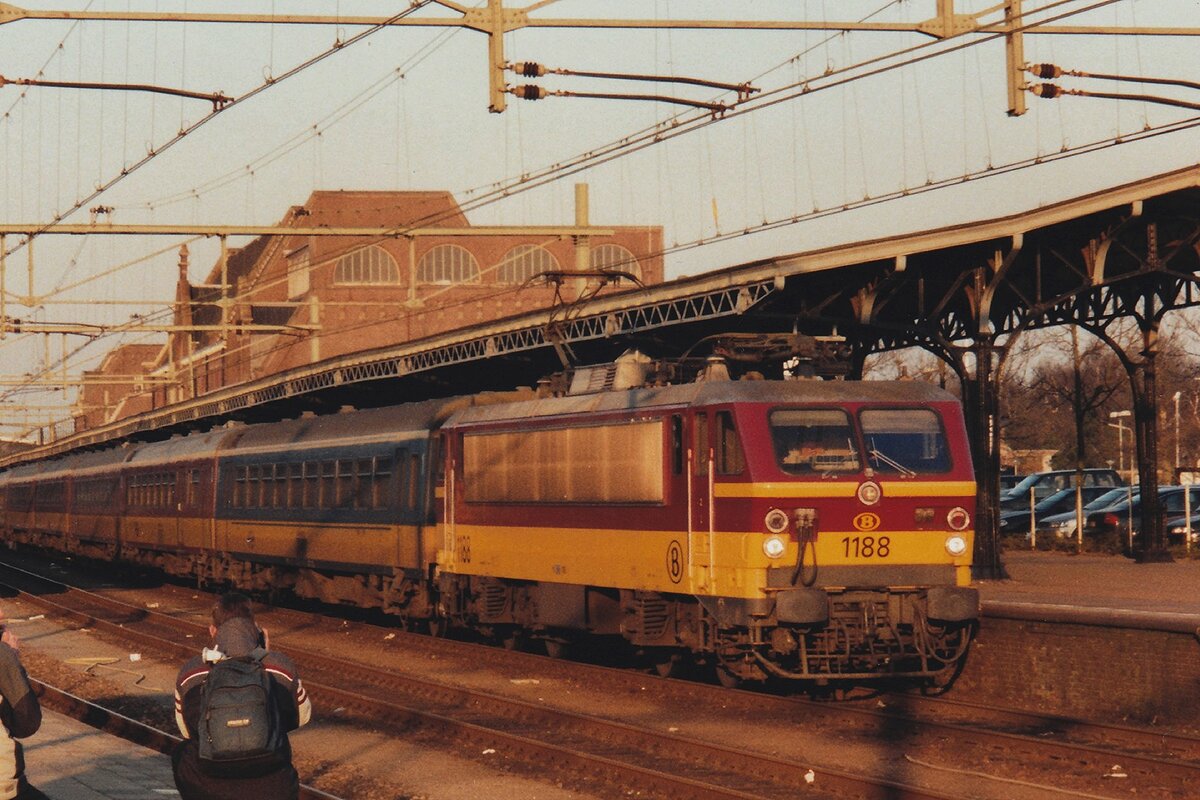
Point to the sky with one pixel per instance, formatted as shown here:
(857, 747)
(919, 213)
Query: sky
(406, 108)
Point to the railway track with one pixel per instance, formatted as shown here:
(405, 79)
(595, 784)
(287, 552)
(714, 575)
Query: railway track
(629, 756)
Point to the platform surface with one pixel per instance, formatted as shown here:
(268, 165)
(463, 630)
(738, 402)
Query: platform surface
(68, 760)
(1092, 580)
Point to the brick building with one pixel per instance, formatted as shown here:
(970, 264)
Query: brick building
(116, 388)
(298, 299)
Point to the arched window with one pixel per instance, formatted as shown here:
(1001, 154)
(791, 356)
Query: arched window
(615, 257)
(370, 265)
(523, 262)
(448, 263)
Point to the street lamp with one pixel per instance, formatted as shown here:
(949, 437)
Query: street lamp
(1119, 425)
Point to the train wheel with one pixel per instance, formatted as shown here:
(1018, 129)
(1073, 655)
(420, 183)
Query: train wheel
(668, 665)
(727, 678)
(513, 638)
(557, 648)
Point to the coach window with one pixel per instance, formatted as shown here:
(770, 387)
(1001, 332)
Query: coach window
(345, 484)
(193, 488)
(255, 500)
(402, 469)
(361, 485)
(268, 485)
(381, 484)
(267, 492)
(328, 473)
(262, 492)
(239, 488)
(281, 485)
(729, 458)
(312, 488)
(295, 482)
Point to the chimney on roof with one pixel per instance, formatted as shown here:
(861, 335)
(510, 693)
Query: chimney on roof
(183, 309)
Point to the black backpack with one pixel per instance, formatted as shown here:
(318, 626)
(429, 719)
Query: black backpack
(240, 731)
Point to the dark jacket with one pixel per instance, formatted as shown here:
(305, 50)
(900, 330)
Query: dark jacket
(20, 716)
(236, 638)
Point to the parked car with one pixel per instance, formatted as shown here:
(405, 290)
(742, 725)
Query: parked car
(1016, 521)
(1062, 526)
(1123, 517)
(1044, 484)
(1177, 529)
(1009, 481)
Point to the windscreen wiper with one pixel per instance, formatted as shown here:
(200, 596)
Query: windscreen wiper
(893, 463)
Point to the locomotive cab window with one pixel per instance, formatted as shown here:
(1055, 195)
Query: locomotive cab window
(906, 441)
(813, 441)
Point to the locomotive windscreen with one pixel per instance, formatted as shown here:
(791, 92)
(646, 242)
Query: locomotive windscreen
(814, 440)
(907, 441)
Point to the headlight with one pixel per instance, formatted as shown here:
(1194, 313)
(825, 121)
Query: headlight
(956, 545)
(869, 493)
(958, 519)
(776, 520)
(773, 547)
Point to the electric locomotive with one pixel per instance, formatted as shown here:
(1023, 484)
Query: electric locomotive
(804, 530)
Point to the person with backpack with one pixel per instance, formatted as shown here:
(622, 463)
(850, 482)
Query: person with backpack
(234, 704)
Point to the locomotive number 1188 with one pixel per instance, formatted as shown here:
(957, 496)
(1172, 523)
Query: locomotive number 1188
(867, 546)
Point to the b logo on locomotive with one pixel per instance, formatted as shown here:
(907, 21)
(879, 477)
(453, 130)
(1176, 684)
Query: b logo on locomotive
(866, 521)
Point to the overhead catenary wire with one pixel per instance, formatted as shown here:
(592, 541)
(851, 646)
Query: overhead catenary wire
(1052, 90)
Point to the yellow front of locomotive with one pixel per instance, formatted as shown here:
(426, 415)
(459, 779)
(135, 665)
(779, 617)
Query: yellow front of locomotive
(858, 560)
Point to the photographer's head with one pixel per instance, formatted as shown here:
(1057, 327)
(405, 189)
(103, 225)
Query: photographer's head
(233, 629)
(231, 605)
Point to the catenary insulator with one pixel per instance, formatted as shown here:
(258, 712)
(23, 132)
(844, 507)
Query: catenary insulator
(529, 69)
(528, 92)
(1047, 90)
(1045, 71)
